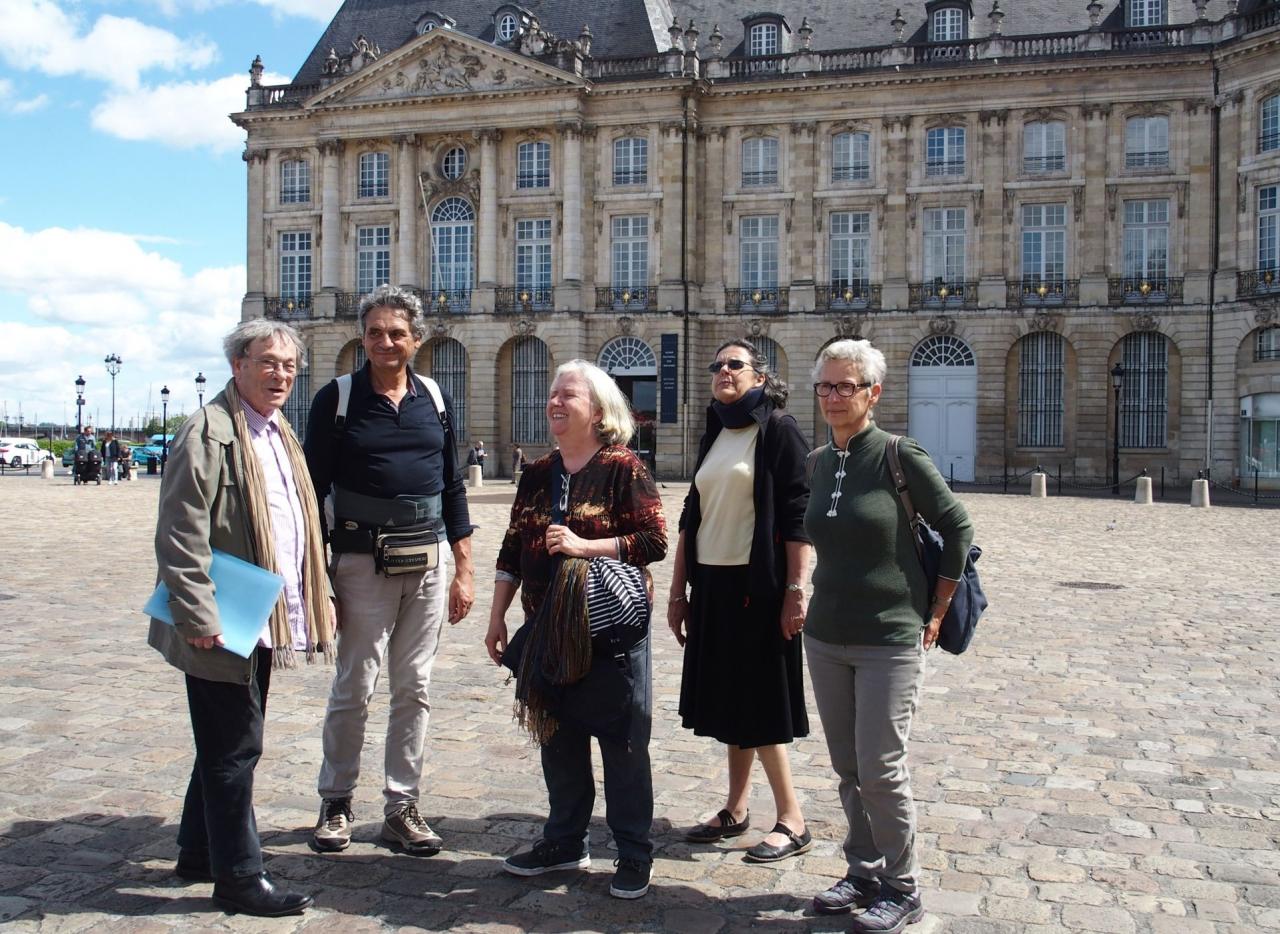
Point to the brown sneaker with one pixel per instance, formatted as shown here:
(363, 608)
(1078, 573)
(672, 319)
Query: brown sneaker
(333, 829)
(406, 830)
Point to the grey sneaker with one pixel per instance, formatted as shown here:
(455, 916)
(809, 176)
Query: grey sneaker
(547, 857)
(407, 830)
(333, 829)
(847, 894)
(631, 879)
(892, 911)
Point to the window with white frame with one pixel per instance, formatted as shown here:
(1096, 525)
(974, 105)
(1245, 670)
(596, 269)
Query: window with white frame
(533, 254)
(947, 25)
(1040, 399)
(1146, 13)
(375, 175)
(944, 151)
(295, 181)
(453, 223)
(944, 247)
(295, 265)
(759, 161)
(454, 163)
(1269, 228)
(850, 157)
(1044, 147)
(850, 239)
(758, 252)
(533, 165)
(1269, 124)
(1146, 143)
(631, 161)
(629, 249)
(1044, 244)
(1146, 245)
(1144, 390)
(529, 365)
(373, 258)
(1268, 344)
(508, 27)
(763, 39)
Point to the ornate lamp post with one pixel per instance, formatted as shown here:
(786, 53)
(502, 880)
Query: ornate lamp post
(79, 403)
(1117, 380)
(164, 428)
(113, 363)
(200, 381)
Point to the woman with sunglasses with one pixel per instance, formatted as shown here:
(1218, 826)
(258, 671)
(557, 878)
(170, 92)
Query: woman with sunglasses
(744, 556)
(871, 621)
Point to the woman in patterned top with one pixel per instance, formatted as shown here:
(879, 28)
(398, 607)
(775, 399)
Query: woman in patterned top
(613, 510)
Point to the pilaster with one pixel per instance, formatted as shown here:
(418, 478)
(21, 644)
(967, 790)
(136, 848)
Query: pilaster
(408, 197)
(488, 259)
(801, 235)
(255, 268)
(330, 216)
(1094, 226)
(988, 210)
(670, 134)
(899, 225)
(571, 182)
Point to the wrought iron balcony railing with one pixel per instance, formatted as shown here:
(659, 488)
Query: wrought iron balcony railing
(521, 300)
(1155, 159)
(1251, 282)
(757, 300)
(759, 179)
(1144, 290)
(1269, 141)
(1042, 165)
(1035, 292)
(942, 294)
(631, 177)
(848, 296)
(347, 304)
(444, 301)
(533, 180)
(854, 172)
(627, 298)
(289, 307)
(943, 167)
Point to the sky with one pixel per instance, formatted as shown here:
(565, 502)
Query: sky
(122, 194)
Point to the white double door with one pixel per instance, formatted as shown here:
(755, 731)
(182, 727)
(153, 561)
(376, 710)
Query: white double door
(943, 416)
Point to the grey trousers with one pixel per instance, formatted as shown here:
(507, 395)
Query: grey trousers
(866, 696)
(396, 620)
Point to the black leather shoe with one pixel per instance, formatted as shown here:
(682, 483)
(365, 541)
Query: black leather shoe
(796, 844)
(193, 866)
(728, 827)
(258, 895)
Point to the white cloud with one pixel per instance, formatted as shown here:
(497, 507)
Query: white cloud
(10, 104)
(182, 115)
(38, 35)
(319, 10)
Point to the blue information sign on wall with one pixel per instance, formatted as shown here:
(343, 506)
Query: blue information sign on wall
(669, 379)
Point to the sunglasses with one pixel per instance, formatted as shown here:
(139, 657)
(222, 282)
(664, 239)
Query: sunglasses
(734, 364)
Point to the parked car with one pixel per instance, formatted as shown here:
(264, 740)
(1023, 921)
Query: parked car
(15, 452)
(152, 450)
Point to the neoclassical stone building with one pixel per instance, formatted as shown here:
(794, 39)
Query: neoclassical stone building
(1008, 202)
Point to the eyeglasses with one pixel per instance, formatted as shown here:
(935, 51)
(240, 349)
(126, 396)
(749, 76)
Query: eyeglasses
(841, 389)
(735, 364)
(271, 365)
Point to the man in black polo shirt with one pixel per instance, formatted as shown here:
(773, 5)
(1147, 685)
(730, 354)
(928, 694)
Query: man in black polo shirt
(390, 461)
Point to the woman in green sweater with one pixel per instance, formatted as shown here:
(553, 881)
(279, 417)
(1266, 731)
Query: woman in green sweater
(872, 617)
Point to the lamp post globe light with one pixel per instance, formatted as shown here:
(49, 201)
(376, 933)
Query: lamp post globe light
(79, 403)
(200, 381)
(164, 428)
(113, 363)
(1117, 380)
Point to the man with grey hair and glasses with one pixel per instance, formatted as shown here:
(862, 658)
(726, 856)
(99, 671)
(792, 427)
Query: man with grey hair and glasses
(382, 442)
(237, 482)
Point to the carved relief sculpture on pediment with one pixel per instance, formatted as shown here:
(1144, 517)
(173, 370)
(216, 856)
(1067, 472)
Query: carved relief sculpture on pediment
(446, 69)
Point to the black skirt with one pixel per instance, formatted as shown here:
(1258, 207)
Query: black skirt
(743, 683)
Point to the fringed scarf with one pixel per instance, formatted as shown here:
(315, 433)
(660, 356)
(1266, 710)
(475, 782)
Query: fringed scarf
(315, 596)
(558, 652)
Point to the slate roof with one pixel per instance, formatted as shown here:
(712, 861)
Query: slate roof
(622, 28)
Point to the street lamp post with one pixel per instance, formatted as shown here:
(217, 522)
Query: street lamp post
(113, 363)
(164, 428)
(79, 404)
(1117, 380)
(200, 381)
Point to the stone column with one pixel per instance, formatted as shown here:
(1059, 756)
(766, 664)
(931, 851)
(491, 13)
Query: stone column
(669, 222)
(800, 235)
(407, 254)
(488, 259)
(899, 215)
(256, 268)
(1093, 236)
(571, 188)
(330, 218)
(1233, 206)
(988, 213)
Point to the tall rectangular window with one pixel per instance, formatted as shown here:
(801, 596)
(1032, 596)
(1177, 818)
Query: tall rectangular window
(533, 254)
(1146, 245)
(630, 251)
(944, 247)
(295, 181)
(375, 175)
(850, 247)
(1269, 124)
(631, 161)
(763, 39)
(758, 252)
(533, 165)
(295, 265)
(1269, 233)
(1144, 390)
(1146, 143)
(759, 161)
(850, 157)
(1044, 244)
(1146, 13)
(1040, 398)
(944, 151)
(1044, 147)
(373, 258)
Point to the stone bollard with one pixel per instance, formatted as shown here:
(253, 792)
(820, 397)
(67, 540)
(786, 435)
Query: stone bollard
(475, 475)
(46, 469)
(1142, 493)
(1039, 485)
(1200, 493)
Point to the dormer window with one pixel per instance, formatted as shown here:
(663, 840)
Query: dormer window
(508, 27)
(426, 26)
(765, 34)
(1145, 13)
(947, 25)
(763, 39)
(432, 20)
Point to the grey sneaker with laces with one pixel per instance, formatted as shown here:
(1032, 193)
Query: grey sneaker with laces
(407, 830)
(847, 894)
(890, 913)
(333, 829)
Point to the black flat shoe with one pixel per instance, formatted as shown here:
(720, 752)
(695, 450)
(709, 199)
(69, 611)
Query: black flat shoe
(765, 853)
(258, 895)
(193, 866)
(728, 827)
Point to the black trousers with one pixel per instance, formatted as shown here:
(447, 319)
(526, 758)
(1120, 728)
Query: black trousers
(217, 816)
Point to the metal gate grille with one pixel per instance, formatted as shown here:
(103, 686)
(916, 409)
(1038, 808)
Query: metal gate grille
(449, 369)
(529, 391)
(1040, 403)
(1144, 392)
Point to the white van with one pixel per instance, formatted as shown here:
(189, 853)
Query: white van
(16, 452)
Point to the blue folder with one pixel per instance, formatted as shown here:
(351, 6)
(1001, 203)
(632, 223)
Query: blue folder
(245, 595)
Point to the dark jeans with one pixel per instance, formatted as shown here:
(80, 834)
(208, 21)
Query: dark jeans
(628, 781)
(217, 816)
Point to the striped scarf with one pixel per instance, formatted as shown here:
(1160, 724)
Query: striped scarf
(315, 595)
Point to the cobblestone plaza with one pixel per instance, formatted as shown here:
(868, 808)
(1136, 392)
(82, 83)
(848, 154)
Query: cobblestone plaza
(1103, 759)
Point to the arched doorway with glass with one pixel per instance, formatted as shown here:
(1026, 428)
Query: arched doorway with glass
(943, 395)
(634, 367)
(453, 223)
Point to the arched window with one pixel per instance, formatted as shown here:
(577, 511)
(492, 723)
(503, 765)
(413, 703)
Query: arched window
(759, 161)
(1269, 124)
(1144, 390)
(1268, 344)
(529, 365)
(947, 25)
(628, 356)
(1040, 398)
(453, 223)
(448, 367)
(508, 27)
(763, 39)
(850, 157)
(942, 350)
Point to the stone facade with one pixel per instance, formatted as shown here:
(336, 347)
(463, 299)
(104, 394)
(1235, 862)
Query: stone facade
(729, 139)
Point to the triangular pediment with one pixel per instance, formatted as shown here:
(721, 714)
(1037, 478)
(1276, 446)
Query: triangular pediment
(444, 64)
